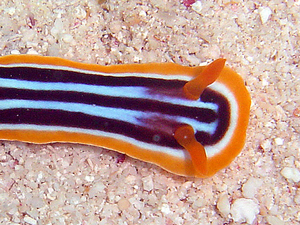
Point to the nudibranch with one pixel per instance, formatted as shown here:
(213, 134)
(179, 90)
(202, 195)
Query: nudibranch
(190, 121)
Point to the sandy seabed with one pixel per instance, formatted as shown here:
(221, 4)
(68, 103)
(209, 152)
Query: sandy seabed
(77, 184)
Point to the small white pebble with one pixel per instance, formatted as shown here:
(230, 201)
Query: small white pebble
(29, 220)
(50, 190)
(89, 161)
(115, 27)
(39, 177)
(265, 13)
(130, 179)
(57, 28)
(11, 11)
(96, 189)
(273, 220)
(270, 125)
(297, 198)
(80, 13)
(89, 178)
(264, 82)
(15, 52)
(223, 205)
(37, 202)
(67, 38)
(197, 6)
(266, 145)
(244, 210)
(279, 141)
(251, 186)
(147, 183)
(289, 161)
(19, 167)
(142, 14)
(137, 58)
(290, 173)
(165, 208)
(250, 58)
(4, 197)
(50, 197)
(198, 203)
(123, 204)
(32, 52)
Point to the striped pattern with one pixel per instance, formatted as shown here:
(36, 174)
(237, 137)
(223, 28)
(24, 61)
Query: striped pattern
(147, 108)
(151, 112)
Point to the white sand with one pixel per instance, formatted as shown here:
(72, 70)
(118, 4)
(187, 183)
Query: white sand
(76, 184)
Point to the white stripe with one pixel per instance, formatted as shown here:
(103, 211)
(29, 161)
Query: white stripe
(131, 116)
(129, 92)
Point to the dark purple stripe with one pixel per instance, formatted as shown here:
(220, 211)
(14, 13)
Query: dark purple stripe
(80, 120)
(223, 116)
(52, 75)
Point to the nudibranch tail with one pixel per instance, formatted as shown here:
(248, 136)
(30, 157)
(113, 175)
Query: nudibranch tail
(185, 136)
(194, 88)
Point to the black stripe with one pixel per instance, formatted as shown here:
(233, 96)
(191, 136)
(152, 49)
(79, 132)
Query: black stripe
(53, 75)
(80, 120)
(223, 115)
